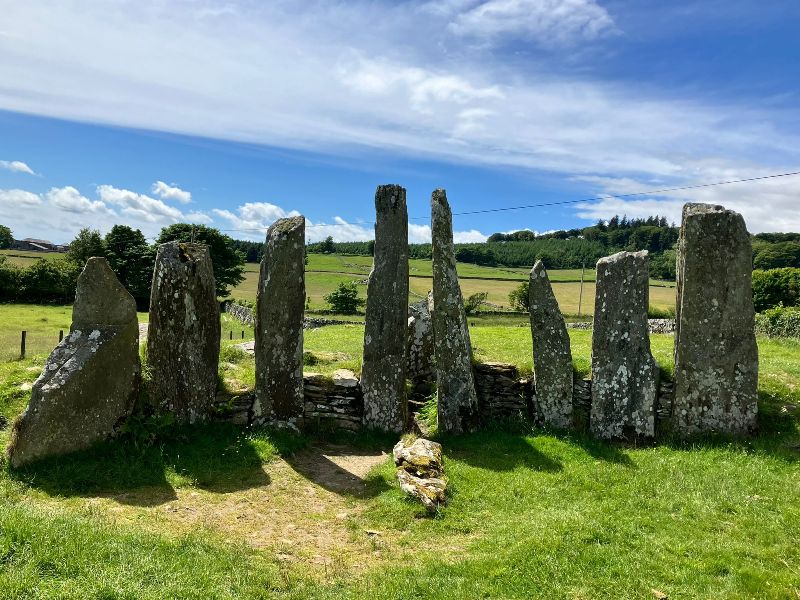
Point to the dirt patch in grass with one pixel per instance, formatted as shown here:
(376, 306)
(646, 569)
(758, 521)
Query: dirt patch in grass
(303, 510)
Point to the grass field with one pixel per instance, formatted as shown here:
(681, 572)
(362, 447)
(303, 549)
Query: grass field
(220, 512)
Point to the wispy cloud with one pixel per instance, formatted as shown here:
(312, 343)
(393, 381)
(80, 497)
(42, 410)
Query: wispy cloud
(16, 166)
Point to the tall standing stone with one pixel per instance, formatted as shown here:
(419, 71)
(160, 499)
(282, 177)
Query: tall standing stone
(383, 373)
(624, 372)
(716, 357)
(184, 333)
(279, 323)
(90, 381)
(457, 399)
(552, 357)
(421, 368)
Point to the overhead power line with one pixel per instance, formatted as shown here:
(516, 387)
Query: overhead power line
(607, 196)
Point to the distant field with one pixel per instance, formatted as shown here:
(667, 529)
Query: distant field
(325, 272)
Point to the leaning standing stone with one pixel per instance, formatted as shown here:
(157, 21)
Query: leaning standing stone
(184, 333)
(716, 357)
(552, 357)
(90, 381)
(624, 372)
(279, 323)
(383, 373)
(457, 400)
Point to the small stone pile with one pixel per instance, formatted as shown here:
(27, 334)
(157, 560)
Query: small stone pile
(335, 402)
(666, 394)
(421, 369)
(501, 393)
(420, 471)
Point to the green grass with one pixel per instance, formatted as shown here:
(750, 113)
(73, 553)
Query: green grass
(532, 514)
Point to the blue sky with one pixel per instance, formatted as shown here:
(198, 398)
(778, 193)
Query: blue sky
(237, 113)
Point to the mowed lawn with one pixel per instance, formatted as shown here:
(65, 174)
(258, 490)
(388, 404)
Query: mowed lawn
(531, 513)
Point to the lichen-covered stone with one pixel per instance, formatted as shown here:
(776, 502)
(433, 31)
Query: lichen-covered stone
(624, 372)
(457, 399)
(716, 357)
(90, 381)
(184, 334)
(552, 356)
(383, 371)
(421, 369)
(279, 323)
(420, 471)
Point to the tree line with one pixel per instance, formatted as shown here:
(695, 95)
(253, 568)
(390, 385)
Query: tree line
(130, 256)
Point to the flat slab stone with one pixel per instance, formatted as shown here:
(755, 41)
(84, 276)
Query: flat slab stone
(184, 334)
(280, 303)
(90, 381)
(552, 356)
(624, 372)
(383, 371)
(457, 399)
(716, 356)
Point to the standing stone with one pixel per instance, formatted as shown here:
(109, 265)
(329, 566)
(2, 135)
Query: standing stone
(716, 357)
(89, 383)
(421, 368)
(552, 357)
(383, 373)
(624, 372)
(279, 323)
(457, 399)
(184, 333)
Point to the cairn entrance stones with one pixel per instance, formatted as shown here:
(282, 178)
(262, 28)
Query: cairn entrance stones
(279, 323)
(457, 399)
(184, 334)
(90, 381)
(383, 372)
(624, 372)
(716, 357)
(552, 357)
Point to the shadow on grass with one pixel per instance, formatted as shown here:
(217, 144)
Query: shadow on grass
(217, 457)
(341, 462)
(498, 451)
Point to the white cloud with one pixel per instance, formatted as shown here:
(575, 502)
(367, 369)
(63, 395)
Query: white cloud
(548, 22)
(766, 205)
(387, 76)
(421, 234)
(199, 217)
(70, 200)
(16, 166)
(139, 206)
(15, 199)
(171, 192)
(467, 237)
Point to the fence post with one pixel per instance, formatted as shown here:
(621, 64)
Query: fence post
(60, 335)
(231, 332)
(22, 344)
(580, 297)
(242, 333)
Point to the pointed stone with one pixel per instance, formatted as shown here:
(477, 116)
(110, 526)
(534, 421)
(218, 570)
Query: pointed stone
(716, 357)
(90, 381)
(280, 304)
(383, 372)
(624, 372)
(457, 399)
(184, 333)
(552, 356)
